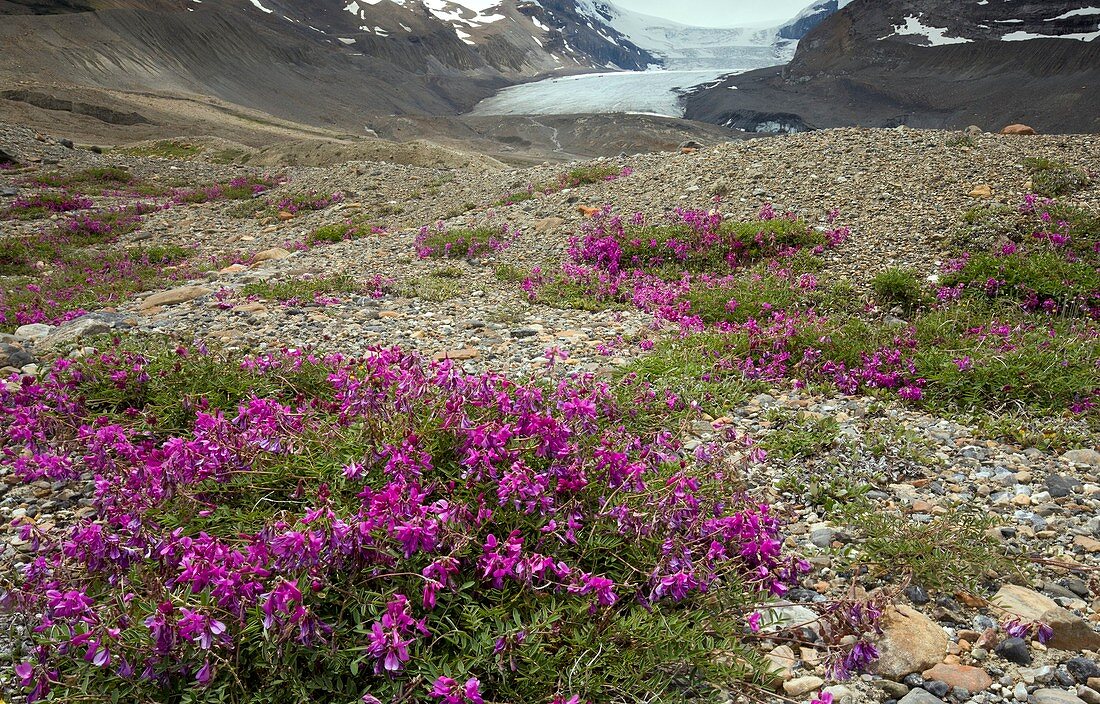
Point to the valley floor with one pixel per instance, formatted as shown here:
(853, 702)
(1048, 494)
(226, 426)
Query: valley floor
(337, 260)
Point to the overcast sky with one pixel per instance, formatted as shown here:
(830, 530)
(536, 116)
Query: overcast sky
(718, 13)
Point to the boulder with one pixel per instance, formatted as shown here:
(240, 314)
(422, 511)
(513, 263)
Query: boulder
(1071, 632)
(14, 356)
(1018, 129)
(982, 190)
(175, 295)
(972, 679)
(1083, 456)
(32, 332)
(910, 642)
(81, 328)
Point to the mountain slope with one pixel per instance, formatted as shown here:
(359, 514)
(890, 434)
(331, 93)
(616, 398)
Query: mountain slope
(932, 63)
(324, 62)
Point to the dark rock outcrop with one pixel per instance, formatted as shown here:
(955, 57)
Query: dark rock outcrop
(933, 63)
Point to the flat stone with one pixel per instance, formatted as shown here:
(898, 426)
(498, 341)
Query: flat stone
(1088, 694)
(1070, 632)
(982, 190)
(173, 296)
(781, 661)
(1083, 456)
(1088, 543)
(34, 331)
(1056, 696)
(972, 679)
(460, 355)
(272, 254)
(802, 685)
(910, 642)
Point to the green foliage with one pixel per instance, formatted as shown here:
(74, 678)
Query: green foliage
(738, 242)
(458, 242)
(898, 287)
(1051, 178)
(435, 287)
(829, 493)
(946, 552)
(742, 298)
(516, 197)
(510, 273)
(177, 383)
(330, 233)
(1054, 434)
(684, 368)
(228, 156)
(88, 180)
(961, 140)
(302, 289)
(585, 175)
(801, 436)
(1045, 275)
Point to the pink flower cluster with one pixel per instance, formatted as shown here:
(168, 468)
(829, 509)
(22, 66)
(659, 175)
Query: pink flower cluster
(448, 480)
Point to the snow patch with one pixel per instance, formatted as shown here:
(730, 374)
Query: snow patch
(1083, 12)
(453, 12)
(936, 36)
(1022, 36)
(261, 7)
(346, 40)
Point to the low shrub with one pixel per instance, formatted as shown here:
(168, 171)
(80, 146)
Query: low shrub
(376, 529)
(461, 243)
(1051, 178)
(898, 287)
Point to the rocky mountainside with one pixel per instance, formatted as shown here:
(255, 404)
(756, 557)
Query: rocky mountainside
(927, 64)
(321, 62)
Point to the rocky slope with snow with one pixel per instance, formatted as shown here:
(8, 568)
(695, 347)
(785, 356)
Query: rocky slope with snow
(927, 64)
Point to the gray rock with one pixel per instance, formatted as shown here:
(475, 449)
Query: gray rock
(1088, 694)
(822, 537)
(1059, 485)
(1014, 650)
(8, 191)
(1056, 696)
(33, 331)
(939, 689)
(14, 356)
(1083, 456)
(82, 328)
(920, 696)
(1081, 669)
